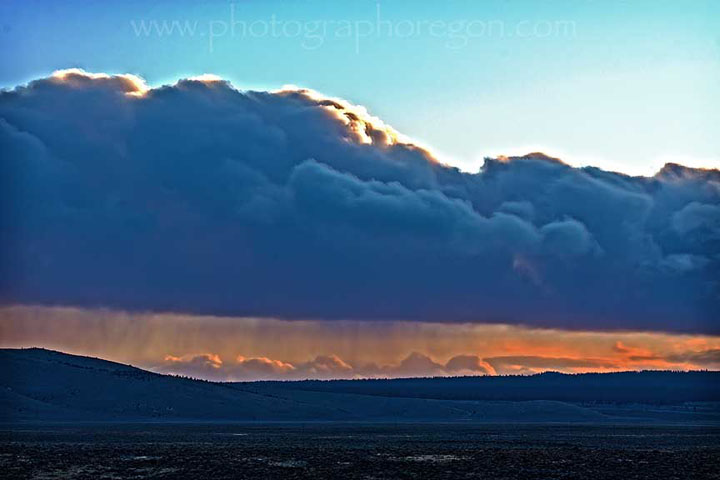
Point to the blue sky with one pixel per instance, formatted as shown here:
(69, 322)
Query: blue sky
(622, 85)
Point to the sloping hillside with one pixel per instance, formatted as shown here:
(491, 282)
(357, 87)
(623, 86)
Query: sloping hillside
(38, 385)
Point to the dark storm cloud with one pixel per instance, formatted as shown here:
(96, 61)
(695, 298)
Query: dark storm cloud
(199, 197)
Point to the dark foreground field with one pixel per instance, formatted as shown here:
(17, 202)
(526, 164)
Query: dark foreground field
(368, 451)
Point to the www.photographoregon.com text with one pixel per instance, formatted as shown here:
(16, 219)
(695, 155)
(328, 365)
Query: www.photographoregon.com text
(314, 34)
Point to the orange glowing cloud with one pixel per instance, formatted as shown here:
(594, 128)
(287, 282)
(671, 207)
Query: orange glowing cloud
(264, 363)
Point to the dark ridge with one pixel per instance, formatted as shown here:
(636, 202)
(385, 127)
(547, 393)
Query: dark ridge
(654, 387)
(38, 385)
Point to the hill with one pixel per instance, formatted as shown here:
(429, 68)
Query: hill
(38, 385)
(650, 387)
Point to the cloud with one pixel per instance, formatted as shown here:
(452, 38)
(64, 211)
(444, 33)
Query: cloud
(206, 365)
(262, 365)
(469, 365)
(211, 367)
(706, 358)
(625, 357)
(325, 366)
(198, 197)
(528, 364)
(416, 364)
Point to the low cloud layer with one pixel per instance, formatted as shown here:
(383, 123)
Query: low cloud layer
(212, 367)
(201, 198)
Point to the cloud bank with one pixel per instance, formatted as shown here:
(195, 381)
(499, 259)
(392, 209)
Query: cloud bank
(198, 197)
(325, 367)
(210, 366)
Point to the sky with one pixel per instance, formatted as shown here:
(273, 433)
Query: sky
(299, 189)
(621, 85)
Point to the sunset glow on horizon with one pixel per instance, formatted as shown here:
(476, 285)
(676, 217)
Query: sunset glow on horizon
(225, 348)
